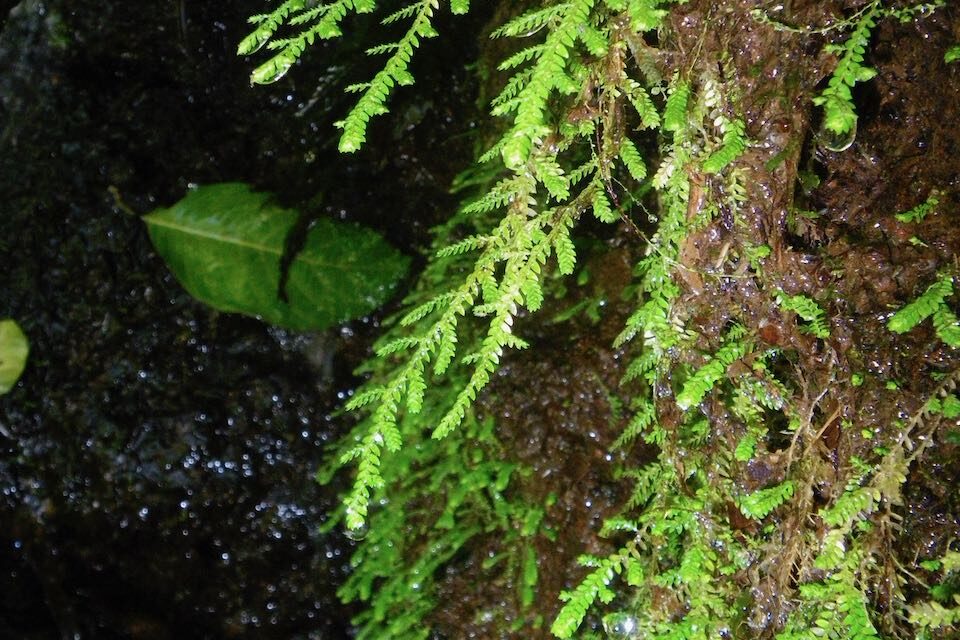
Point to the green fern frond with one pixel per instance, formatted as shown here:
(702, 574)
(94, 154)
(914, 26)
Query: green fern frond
(640, 99)
(854, 501)
(587, 168)
(919, 212)
(933, 615)
(840, 116)
(704, 379)
(323, 22)
(326, 26)
(550, 174)
(530, 22)
(505, 102)
(550, 74)
(601, 206)
(733, 145)
(632, 160)
(808, 310)
(364, 397)
(952, 54)
(404, 13)
(675, 113)
(647, 482)
(497, 197)
(594, 40)
(398, 344)
(425, 309)
(522, 57)
(645, 15)
(759, 504)
(472, 243)
(380, 49)
(923, 307)
(745, 448)
(395, 72)
(594, 587)
(566, 253)
(641, 420)
(268, 23)
(947, 326)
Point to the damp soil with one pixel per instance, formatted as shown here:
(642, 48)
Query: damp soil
(157, 457)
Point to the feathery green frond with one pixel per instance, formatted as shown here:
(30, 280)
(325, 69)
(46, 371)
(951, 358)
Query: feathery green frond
(675, 113)
(549, 75)
(703, 380)
(921, 211)
(947, 326)
(640, 99)
(808, 310)
(395, 72)
(632, 160)
(759, 504)
(530, 22)
(923, 307)
(733, 145)
(840, 117)
(596, 586)
(601, 206)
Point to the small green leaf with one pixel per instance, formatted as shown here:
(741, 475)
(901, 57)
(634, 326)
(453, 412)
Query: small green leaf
(923, 307)
(951, 407)
(632, 160)
(745, 448)
(952, 54)
(675, 113)
(14, 349)
(224, 244)
(601, 206)
(920, 211)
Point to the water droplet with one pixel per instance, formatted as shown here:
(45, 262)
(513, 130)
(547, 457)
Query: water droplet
(833, 141)
(357, 534)
(620, 626)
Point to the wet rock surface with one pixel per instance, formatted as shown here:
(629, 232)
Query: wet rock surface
(157, 458)
(906, 149)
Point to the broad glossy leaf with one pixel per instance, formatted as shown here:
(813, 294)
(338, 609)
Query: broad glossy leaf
(13, 354)
(224, 243)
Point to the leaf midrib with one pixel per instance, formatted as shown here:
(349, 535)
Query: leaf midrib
(160, 222)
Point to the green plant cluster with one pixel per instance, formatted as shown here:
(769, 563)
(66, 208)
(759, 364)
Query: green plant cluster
(931, 302)
(723, 534)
